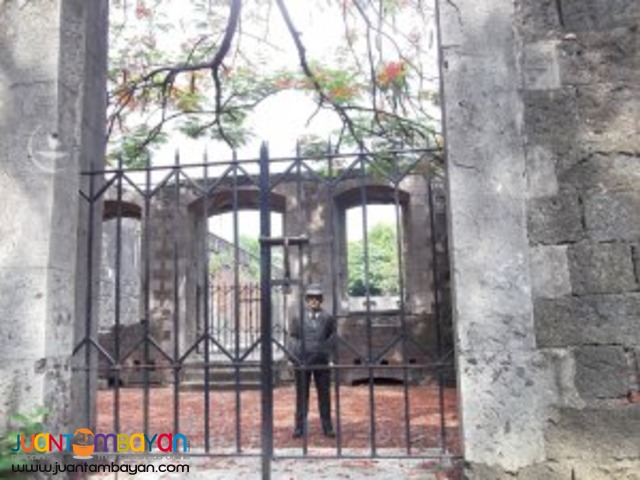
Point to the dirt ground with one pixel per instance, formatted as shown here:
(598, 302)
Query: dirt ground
(399, 424)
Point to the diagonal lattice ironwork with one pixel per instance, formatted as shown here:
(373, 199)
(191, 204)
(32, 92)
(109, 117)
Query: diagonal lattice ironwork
(214, 350)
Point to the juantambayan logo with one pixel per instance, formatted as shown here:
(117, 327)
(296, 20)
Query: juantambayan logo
(45, 151)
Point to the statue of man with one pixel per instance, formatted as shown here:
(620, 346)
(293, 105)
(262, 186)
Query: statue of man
(312, 345)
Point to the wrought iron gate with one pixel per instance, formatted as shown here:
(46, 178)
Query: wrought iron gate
(175, 331)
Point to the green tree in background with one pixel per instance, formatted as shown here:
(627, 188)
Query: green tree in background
(383, 263)
(224, 259)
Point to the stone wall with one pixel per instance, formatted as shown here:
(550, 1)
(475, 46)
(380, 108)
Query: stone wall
(580, 86)
(542, 124)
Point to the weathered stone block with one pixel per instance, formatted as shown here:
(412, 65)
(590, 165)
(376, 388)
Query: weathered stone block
(601, 372)
(538, 19)
(542, 180)
(558, 470)
(594, 435)
(596, 319)
(551, 119)
(500, 391)
(550, 272)
(540, 66)
(24, 241)
(609, 117)
(20, 388)
(555, 220)
(604, 173)
(479, 471)
(61, 317)
(598, 57)
(586, 15)
(561, 373)
(636, 366)
(613, 215)
(601, 268)
(23, 303)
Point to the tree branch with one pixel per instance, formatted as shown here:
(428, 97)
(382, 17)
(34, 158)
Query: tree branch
(225, 46)
(304, 64)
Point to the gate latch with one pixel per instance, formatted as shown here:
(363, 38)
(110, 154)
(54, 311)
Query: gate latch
(285, 242)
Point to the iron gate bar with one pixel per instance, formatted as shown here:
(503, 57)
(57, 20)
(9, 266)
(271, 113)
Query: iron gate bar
(89, 299)
(116, 346)
(265, 310)
(367, 277)
(334, 293)
(236, 300)
(176, 297)
(147, 294)
(301, 303)
(207, 326)
(403, 318)
(436, 298)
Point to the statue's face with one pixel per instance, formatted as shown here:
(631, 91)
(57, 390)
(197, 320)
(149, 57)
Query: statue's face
(314, 302)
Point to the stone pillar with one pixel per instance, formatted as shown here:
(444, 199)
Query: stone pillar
(52, 104)
(498, 367)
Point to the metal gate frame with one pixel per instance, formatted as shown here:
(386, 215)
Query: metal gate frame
(99, 184)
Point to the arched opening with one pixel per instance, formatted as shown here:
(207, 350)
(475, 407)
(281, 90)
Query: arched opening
(374, 247)
(233, 242)
(121, 288)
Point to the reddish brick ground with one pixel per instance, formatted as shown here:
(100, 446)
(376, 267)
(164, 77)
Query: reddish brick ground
(390, 417)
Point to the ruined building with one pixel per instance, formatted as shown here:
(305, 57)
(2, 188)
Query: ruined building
(541, 106)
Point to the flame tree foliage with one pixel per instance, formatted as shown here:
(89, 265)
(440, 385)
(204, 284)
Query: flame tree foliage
(202, 67)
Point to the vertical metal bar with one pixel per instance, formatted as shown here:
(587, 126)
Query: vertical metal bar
(436, 300)
(176, 299)
(307, 378)
(199, 329)
(236, 303)
(444, 152)
(365, 239)
(215, 307)
(89, 300)
(403, 316)
(265, 316)
(207, 324)
(147, 294)
(117, 293)
(334, 293)
(249, 317)
(228, 314)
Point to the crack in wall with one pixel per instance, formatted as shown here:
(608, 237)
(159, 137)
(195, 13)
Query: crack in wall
(560, 12)
(457, 9)
(635, 261)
